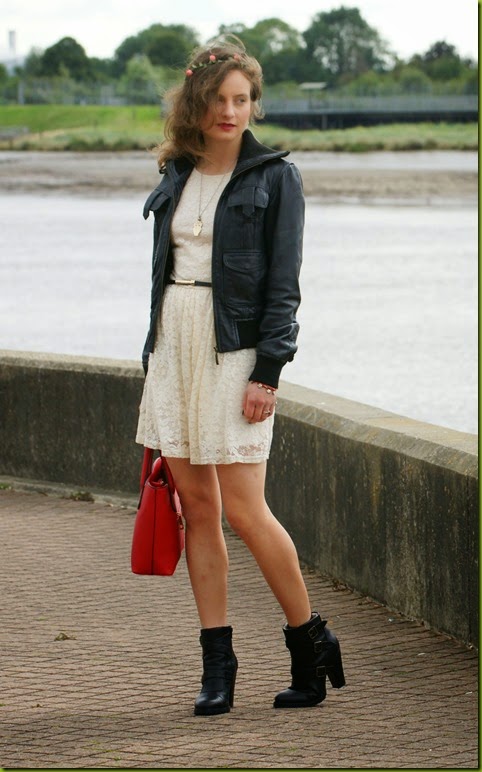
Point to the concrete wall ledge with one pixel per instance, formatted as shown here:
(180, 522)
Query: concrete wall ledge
(382, 503)
(371, 424)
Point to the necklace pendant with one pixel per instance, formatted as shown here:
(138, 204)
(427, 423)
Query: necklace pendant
(197, 227)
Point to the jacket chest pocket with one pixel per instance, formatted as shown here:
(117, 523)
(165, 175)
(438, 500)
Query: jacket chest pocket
(246, 208)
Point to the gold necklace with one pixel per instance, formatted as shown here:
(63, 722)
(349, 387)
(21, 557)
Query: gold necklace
(198, 225)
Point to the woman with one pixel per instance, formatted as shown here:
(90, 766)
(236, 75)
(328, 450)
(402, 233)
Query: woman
(227, 252)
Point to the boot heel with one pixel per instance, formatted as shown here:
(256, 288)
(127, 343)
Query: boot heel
(231, 691)
(219, 672)
(335, 673)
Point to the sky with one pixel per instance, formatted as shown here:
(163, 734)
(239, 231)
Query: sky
(408, 26)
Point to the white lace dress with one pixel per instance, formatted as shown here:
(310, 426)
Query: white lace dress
(191, 406)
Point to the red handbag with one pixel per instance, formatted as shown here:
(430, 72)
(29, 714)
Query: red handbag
(158, 539)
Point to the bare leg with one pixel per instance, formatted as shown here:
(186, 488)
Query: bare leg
(206, 554)
(242, 490)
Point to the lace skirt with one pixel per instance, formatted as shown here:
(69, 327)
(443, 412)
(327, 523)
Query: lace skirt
(191, 406)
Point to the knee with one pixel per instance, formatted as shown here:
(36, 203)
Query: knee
(244, 519)
(242, 491)
(200, 507)
(237, 523)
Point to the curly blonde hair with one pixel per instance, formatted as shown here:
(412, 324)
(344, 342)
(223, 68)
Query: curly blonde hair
(189, 101)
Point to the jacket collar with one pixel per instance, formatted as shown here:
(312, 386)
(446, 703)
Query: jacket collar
(252, 153)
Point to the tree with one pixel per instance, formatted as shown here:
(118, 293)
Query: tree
(276, 44)
(139, 82)
(413, 80)
(66, 57)
(269, 37)
(163, 44)
(293, 65)
(131, 46)
(440, 62)
(33, 63)
(344, 45)
(168, 48)
(470, 79)
(236, 28)
(440, 50)
(102, 69)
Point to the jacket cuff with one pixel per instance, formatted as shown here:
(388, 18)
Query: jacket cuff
(267, 370)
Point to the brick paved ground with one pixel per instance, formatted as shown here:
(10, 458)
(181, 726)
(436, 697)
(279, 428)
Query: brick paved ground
(118, 690)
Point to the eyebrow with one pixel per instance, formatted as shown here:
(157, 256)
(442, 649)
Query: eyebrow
(243, 93)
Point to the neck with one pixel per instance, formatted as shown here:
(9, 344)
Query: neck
(220, 158)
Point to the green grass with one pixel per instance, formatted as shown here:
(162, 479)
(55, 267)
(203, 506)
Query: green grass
(89, 127)
(92, 127)
(40, 118)
(394, 136)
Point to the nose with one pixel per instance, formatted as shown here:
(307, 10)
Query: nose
(228, 109)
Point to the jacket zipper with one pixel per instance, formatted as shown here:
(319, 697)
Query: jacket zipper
(237, 174)
(174, 204)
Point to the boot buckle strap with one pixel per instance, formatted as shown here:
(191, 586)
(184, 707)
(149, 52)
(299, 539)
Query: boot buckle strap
(313, 631)
(320, 671)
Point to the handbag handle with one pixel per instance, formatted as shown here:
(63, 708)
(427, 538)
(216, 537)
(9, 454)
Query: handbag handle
(147, 469)
(146, 466)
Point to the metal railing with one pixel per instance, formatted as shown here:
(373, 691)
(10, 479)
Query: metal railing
(400, 103)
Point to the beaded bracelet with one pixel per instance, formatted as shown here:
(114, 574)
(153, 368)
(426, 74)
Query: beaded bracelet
(268, 389)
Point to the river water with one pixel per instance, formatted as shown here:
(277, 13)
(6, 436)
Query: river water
(389, 309)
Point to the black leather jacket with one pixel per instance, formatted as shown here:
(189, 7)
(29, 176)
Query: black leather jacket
(256, 257)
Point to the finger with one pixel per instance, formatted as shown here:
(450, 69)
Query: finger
(245, 403)
(267, 412)
(257, 415)
(250, 401)
(249, 410)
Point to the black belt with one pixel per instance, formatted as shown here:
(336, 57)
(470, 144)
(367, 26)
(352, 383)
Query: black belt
(190, 282)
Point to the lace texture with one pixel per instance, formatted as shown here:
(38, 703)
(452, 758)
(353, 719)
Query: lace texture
(191, 406)
(192, 254)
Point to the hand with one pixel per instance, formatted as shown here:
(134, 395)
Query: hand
(258, 405)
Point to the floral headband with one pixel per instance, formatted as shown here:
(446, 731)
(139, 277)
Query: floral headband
(212, 60)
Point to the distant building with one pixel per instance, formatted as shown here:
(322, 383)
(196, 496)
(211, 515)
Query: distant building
(8, 54)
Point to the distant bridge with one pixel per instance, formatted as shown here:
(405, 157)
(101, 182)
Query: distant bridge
(325, 112)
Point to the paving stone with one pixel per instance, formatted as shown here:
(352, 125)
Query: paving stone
(118, 690)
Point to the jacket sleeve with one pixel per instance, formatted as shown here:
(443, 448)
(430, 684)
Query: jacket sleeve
(155, 200)
(284, 238)
(145, 353)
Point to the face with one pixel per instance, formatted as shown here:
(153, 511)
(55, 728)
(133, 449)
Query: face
(228, 116)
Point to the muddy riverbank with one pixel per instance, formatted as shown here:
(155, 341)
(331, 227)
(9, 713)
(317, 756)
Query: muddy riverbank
(336, 177)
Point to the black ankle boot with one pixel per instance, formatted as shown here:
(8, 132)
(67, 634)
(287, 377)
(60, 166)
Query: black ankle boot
(219, 672)
(315, 654)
